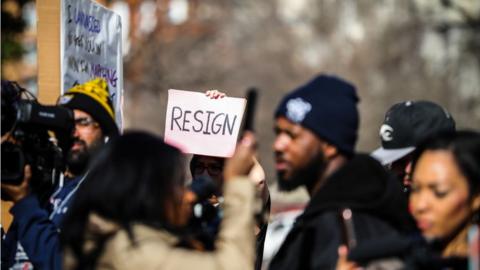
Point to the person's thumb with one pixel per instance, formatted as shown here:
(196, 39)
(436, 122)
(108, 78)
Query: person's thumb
(342, 252)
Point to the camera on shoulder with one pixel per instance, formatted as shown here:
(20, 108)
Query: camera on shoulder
(33, 134)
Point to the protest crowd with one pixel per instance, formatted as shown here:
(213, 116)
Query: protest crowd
(127, 200)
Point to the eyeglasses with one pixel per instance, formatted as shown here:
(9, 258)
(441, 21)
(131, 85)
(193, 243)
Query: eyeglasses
(85, 122)
(212, 169)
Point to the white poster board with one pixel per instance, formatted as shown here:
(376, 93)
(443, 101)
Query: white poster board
(91, 47)
(198, 124)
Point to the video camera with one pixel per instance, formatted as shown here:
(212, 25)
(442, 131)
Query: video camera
(27, 138)
(205, 220)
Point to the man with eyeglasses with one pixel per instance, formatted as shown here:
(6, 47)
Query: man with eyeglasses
(208, 166)
(33, 239)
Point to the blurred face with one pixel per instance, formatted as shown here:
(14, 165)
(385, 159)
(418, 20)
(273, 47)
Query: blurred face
(298, 155)
(211, 167)
(402, 168)
(87, 137)
(439, 198)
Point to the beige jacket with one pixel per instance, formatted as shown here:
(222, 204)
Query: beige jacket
(155, 249)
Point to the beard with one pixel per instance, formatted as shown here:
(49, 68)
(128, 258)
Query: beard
(306, 176)
(78, 160)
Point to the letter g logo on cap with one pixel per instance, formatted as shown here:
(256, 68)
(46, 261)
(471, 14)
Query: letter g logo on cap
(386, 133)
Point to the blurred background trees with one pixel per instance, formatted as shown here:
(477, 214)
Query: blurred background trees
(391, 50)
(13, 25)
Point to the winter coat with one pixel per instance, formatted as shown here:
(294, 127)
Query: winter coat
(379, 210)
(33, 238)
(153, 248)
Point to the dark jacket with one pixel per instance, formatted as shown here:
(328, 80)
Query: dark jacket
(36, 229)
(262, 235)
(379, 210)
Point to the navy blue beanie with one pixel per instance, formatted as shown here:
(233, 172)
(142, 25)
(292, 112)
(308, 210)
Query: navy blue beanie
(327, 106)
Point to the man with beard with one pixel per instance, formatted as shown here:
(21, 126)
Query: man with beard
(316, 131)
(33, 239)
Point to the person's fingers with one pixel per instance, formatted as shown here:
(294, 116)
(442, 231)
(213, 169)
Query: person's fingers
(190, 196)
(248, 139)
(247, 149)
(211, 93)
(27, 174)
(215, 94)
(343, 263)
(7, 187)
(342, 253)
(19, 191)
(242, 160)
(219, 94)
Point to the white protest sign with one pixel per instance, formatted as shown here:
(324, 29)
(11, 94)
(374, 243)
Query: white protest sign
(198, 124)
(91, 47)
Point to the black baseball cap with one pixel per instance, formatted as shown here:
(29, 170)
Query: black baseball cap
(408, 123)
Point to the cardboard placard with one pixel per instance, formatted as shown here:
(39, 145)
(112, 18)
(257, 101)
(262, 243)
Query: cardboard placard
(91, 47)
(197, 124)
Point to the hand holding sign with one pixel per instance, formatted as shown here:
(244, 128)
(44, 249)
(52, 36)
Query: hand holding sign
(198, 124)
(215, 94)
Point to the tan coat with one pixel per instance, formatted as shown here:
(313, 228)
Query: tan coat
(155, 249)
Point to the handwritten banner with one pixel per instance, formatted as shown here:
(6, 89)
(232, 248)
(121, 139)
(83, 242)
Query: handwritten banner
(91, 47)
(199, 125)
